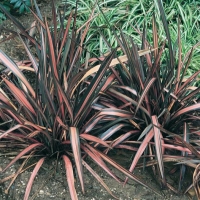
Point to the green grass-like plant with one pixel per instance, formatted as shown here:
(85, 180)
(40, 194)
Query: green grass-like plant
(130, 16)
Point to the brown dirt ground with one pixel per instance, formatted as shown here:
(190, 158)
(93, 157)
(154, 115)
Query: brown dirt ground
(46, 187)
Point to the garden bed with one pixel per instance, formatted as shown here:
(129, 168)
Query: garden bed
(55, 187)
(47, 187)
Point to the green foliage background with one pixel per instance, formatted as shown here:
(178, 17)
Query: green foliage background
(20, 6)
(129, 17)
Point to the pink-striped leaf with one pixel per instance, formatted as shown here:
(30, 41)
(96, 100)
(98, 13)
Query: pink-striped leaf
(155, 37)
(94, 139)
(25, 151)
(178, 148)
(52, 52)
(90, 126)
(96, 158)
(182, 87)
(127, 88)
(65, 36)
(108, 82)
(178, 73)
(186, 110)
(180, 139)
(18, 126)
(116, 112)
(70, 177)
(33, 175)
(88, 97)
(158, 145)
(20, 96)
(111, 131)
(13, 67)
(141, 149)
(62, 96)
(128, 147)
(14, 115)
(39, 128)
(127, 98)
(67, 142)
(75, 143)
(144, 93)
(124, 137)
(171, 158)
(65, 126)
(4, 98)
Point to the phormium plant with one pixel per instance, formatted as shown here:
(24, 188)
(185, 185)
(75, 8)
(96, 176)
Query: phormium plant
(151, 109)
(48, 115)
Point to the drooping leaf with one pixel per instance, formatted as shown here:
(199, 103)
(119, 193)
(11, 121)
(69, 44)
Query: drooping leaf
(94, 139)
(26, 150)
(33, 175)
(14, 68)
(70, 177)
(186, 110)
(96, 158)
(20, 96)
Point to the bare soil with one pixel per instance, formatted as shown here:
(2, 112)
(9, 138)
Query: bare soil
(48, 187)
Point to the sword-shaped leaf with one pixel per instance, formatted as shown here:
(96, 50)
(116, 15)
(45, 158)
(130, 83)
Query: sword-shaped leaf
(14, 68)
(25, 151)
(92, 138)
(141, 150)
(92, 90)
(186, 110)
(158, 146)
(92, 153)
(144, 93)
(70, 177)
(20, 96)
(33, 175)
(75, 143)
